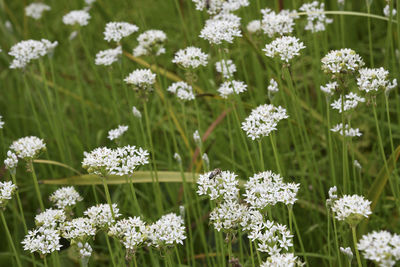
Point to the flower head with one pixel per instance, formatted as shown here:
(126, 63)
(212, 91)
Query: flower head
(222, 28)
(117, 132)
(182, 90)
(76, 17)
(28, 148)
(282, 260)
(7, 190)
(136, 112)
(190, 57)
(65, 197)
(131, 232)
(329, 88)
(35, 10)
(108, 56)
(100, 215)
(351, 132)
(221, 185)
(226, 67)
(374, 80)
(351, 208)
(42, 240)
(276, 23)
(286, 48)
(386, 11)
(151, 42)
(273, 86)
(254, 26)
(78, 229)
(351, 101)
(50, 218)
(11, 161)
(169, 230)
(115, 31)
(341, 61)
(316, 19)
(216, 6)
(228, 216)
(141, 79)
(26, 51)
(231, 87)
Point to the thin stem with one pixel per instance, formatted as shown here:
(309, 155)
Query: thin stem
(36, 184)
(110, 250)
(261, 154)
(353, 230)
(134, 194)
(10, 240)
(108, 197)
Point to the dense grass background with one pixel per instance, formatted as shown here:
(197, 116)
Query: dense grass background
(72, 103)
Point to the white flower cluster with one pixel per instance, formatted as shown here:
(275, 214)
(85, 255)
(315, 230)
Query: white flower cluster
(276, 23)
(341, 61)
(218, 6)
(347, 252)
(381, 247)
(42, 240)
(78, 229)
(351, 101)
(28, 50)
(231, 87)
(1, 120)
(141, 79)
(35, 10)
(65, 197)
(226, 67)
(28, 147)
(50, 218)
(100, 215)
(117, 132)
(263, 120)
(85, 250)
(351, 208)
(267, 189)
(131, 232)
(374, 80)
(115, 31)
(182, 90)
(228, 215)
(282, 260)
(7, 190)
(11, 161)
(169, 230)
(273, 86)
(190, 57)
(350, 132)
(120, 161)
(108, 56)
(151, 42)
(221, 28)
(386, 11)
(329, 88)
(254, 26)
(316, 19)
(332, 195)
(76, 17)
(136, 112)
(222, 185)
(286, 48)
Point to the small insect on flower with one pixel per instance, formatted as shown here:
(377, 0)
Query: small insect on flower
(214, 173)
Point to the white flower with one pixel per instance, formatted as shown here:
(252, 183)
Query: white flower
(115, 31)
(273, 86)
(347, 130)
(190, 57)
(178, 158)
(206, 160)
(282, 260)
(357, 164)
(50, 218)
(332, 195)
(351, 101)
(76, 17)
(100, 215)
(73, 35)
(136, 112)
(219, 186)
(65, 197)
(386, 11)
(182, 90)
(226, 67)
(254, 26)
(276, 23)
(26, 51)
(263, 120)
(196, 137)
(218, 6)
(329, 88)
(129, 159)
(151, 42)
(78, 229)
(11, 161)
(228, 215)
(108, 56)
(374, 80)
(35, 10)
(286, 47)
(141, 79)
(381, 247)
(1, 120)
(351, 208)
(42, 240)
(316, 19)
(221, 28)
(117, 132)
(267, 189)
(347, 251)
(28, 148)
(85, 250)
(131, 232)
(341, 61)
(232, 87)
(7, 190)
(169, 230)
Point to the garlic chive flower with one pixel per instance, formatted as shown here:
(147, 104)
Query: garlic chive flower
(351, 102)
(282, 260)
(350, 132)
(100, 215)
(78, 230)
(11, 161)
(168, 231)
(273, 86)
(347, 252)
(141, 79)
(50, 218)
(332, 196)
(374, 80)
(197, 138)
(254, 26)
(342, 61)
(221, 29)
(329, 88)
(386, 11)
(28, 148)
(108, 56)
(130, 232)
(228, 216)
(76, 17)
(226, 67)
(117, 132)
(352, 209)
(35, 10)
(115, 31)
(151, 42)
(286, 48)
(42, 240)
(182, 90)
(273, 23)
(219, 186)
(26, 51)
(357, 164)
(316, 19)
(263, 120)
(190, 57)
(216, 6)
(178, 158)
(65, 197)
(380, 247)
(7, 190)
(231, 87)
(136, 112)
(85, 251)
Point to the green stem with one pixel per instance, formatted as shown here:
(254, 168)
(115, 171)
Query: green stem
(108, 197)
(261, 155)
(10, 240)
(353, 230)
(36, 184)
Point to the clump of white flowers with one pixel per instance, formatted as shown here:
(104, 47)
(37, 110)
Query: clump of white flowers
(231, 87)
(329, 88)
(101, 215)
(11, 161)
(42, 240)
(26, 51)
(286, 48)
(50, 218)
(108, 56)
(168, 231)
(151, 42)
(130, 232)
(332, 196)
(190, 57)
(351, 101)
(35, 10)
(351, 208)
(28, 147)
(282, 260)
(347, 252)
(78, 229)
(65, 197)
(226, 67)
(219, 185)
(182, 90)
(7, 190)
(341, 61)
(141, 79)
(380, 247)
(228, 216)
(267, 189)
(115, 31)
(76, 17)
(350, 132)
(276, 23)
(117, 132)
(263, 120)
(273, 86)
(386, 11)
(217, 6)
(316, 19)
(136, 112)
(375, 80)
(254, 26)
(221, 28)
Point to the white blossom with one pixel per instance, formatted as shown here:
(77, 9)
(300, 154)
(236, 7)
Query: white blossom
(351, 102)
(254, 26)
(76, 17)
(329, 88)
(151, 42)
(351, 208)
(28, 147)
(108, 56)
(35, 10)
(223, 185)
(42, 240)
(226, 67)
(117, 132)
(100, 215)
(374, 80)
(26, 51)
(7, 189)
(276, 23)
(50, 218)
(182, 90)
(190, 57)
(65, 197)
(347, 252)
(282, 260)
(341, 61)
(131, 232)
(115, 31)
(141, 79)
(231, 87)
(78, 229)
(286, 48)
(350, 132)
(217, 6)
(1, 120)
(136, 112)
(169, 230)
(221, 29)
(316, 19)
(11, 161)
(386, 11)
(228, 215)
(273, 86)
